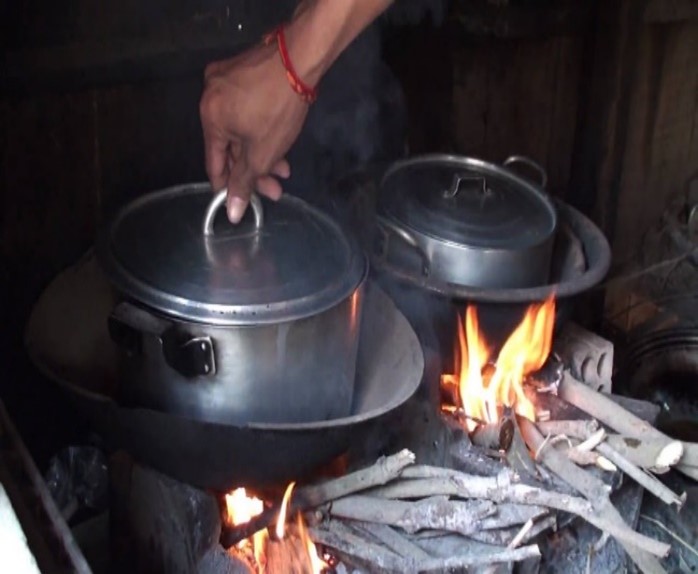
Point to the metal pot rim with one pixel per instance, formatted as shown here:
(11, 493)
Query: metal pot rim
(476, 164)
(168, 300)
(593, 242)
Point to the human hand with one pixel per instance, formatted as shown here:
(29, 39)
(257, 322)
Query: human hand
(250, 118)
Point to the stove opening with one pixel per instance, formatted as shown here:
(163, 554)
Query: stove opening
(488, 379)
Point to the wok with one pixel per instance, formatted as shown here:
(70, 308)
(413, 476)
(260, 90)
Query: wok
(68, 341)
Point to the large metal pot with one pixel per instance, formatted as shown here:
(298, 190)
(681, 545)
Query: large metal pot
(235, 324)
(67, 340)
(472, 223)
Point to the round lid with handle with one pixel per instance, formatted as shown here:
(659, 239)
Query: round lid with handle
(175, 251)
(468, 201)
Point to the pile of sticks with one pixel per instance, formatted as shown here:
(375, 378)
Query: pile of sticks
(401, 516)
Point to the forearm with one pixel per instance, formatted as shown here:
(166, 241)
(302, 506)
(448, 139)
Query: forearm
(321, 29)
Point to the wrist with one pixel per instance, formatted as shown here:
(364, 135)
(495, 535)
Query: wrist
(321, 29)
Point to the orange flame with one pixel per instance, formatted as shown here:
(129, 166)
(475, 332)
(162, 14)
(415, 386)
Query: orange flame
(480, 394)
(281, 520)
(257, 550)
(242, 508)
(316, 564)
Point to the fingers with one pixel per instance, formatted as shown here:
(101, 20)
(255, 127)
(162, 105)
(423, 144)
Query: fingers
(216, 150)
(281, 169)
(269, 187)
(241, 181)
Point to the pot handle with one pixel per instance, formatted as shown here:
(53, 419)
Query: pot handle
(530, 163)
(219, 199)
(190, 356)
(390, 228)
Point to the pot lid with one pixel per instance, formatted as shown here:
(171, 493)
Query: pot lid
(467, 201)
(175, 251)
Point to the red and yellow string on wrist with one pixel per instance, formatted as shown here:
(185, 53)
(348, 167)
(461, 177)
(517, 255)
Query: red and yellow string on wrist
(306, 92)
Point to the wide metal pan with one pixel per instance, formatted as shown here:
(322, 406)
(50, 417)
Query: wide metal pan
(68, 341)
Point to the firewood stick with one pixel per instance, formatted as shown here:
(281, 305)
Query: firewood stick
(492, 435)
(509, 514)
(616, 417)
(500, 489)
(382, 472)
(456, 563)
(435, 513)
(590, 443)
(398, 543)
(607, 411)
(515, 542)
(574, 429)
(506, 513)
(340, 538)
(652, 454)
(521, 534)
(640, 551)
(647, 481)
(586, 458)
(504, 536)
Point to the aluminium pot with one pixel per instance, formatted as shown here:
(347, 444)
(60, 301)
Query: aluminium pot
(237, 324)
(469, 222)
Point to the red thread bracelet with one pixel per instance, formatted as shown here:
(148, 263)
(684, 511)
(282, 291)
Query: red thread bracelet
(306, 92)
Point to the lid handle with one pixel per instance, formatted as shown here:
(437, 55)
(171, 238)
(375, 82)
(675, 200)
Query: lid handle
(219, 199)
(389, 227)
(530, 163)
(459, 178)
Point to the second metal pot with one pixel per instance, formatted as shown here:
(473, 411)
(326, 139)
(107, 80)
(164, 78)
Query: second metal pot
(254, 323)
(470, 222)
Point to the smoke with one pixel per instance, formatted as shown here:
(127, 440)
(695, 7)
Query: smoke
(357, 126)
(359, 118)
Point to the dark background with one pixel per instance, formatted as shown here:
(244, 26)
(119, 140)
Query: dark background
(99, 103)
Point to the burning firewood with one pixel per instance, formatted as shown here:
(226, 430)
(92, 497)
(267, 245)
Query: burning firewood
(313, 496)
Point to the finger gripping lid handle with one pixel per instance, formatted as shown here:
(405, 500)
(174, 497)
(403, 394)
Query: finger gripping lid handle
(219, 200)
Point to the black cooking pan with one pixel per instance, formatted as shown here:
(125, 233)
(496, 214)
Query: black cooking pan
(68, 342)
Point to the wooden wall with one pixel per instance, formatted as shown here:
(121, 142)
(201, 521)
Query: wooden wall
(494, 82)
(637, 145)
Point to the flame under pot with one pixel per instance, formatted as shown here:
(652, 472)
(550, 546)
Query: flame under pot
(250, 323)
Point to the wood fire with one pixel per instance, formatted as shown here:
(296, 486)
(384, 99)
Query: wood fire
(289, 551)
(479, 387)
